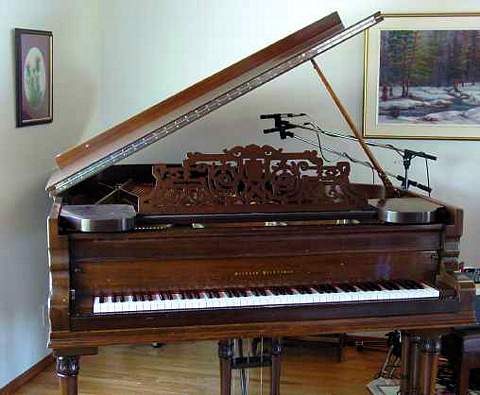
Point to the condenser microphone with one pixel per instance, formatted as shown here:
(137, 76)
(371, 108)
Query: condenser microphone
(282, 115)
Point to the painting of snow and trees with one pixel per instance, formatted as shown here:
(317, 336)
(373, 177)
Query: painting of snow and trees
(429, 77)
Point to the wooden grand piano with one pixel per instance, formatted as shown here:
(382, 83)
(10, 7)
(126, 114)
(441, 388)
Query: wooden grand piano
(182, 252)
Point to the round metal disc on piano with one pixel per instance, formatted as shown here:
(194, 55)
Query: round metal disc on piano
(407, 210)
(99, 218)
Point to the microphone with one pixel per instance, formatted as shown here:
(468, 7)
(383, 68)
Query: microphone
(281, 125)
(414, 184)
(282, 115)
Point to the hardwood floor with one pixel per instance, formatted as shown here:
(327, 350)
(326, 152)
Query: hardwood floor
(192, 369)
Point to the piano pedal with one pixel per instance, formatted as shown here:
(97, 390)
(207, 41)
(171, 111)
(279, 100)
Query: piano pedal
(232, 357)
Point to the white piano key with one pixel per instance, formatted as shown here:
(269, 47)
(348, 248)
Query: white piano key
(107, 306)
(127, 305)
(163, 301)
(96, 305)
(430, 291)
(118, 306)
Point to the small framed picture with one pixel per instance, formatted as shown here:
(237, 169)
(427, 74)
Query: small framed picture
(34, 84)
(422, 78)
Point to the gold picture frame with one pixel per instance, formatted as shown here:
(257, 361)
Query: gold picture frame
(439, 99)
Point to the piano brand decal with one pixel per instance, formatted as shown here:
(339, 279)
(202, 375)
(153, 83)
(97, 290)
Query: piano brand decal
(255, 273)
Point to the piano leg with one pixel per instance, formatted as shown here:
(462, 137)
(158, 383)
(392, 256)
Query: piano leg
(225, 354)
(413, 365)
(430, 352)
(67, 372)
(276, 355)
(405, 363)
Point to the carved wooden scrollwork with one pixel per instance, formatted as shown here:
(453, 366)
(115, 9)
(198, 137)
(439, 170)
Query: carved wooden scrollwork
(252, 178)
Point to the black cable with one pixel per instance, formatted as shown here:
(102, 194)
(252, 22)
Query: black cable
(428, 176)
(320, 149)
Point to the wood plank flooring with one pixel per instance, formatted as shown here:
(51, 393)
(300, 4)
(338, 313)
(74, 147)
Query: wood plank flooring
(192, 369)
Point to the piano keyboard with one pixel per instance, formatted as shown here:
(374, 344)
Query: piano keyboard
(212, 299)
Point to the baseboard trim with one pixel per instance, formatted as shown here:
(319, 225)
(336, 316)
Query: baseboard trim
(28, 375)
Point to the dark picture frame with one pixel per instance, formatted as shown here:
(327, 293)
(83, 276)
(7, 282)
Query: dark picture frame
(34, 76)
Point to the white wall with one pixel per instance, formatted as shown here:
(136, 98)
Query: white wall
(153, 49)
(26, 162)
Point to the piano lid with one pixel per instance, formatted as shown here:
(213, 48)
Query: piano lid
(191, 104)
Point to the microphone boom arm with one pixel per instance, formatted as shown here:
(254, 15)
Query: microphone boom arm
(364, 163)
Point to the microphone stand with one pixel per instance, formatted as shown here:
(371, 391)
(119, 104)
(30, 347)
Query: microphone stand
(406, 154)
(406, 183)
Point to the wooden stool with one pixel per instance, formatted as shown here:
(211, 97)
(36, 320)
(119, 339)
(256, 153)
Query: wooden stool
(228, 362)
(419, 363)
(462, 348)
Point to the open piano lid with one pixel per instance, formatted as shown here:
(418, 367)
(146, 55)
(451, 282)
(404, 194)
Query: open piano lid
(191, 104)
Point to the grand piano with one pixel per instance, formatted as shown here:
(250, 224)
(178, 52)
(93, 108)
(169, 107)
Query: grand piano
(249, 242)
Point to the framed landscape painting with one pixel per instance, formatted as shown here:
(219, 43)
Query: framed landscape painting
(33, 50)
(422, 77)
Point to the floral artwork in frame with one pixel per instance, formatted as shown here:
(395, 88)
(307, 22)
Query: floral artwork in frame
(33, 49)
(422, 77)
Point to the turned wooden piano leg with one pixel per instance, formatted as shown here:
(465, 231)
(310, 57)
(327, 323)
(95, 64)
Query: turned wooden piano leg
(430, 352)
(413, 365)
(67, 373)
(276, 355)
(225, 354)
(405, 364)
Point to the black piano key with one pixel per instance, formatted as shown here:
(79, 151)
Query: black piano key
(345, 287)
(367, 286)
(326, 288)
(370, 286)
(392, 285)
(352, 288)
(331, 288)
(405, 284)
(362, 286)
(374, 286)
(386, 285)
(415, 284)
